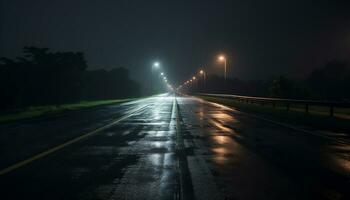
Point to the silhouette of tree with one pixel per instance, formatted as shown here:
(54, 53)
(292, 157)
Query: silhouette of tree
(331, 82)
(43, 77)
(327, 83)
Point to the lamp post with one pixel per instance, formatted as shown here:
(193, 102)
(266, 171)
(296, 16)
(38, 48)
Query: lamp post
(195, 83)
(223, 59)
(154, 66)
(203, 73)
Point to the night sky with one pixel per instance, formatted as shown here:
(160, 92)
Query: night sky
(260, 38)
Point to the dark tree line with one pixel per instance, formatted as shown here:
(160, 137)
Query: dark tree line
(43, 77)
(331, 82)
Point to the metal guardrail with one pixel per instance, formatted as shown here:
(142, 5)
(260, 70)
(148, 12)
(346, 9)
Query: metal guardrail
(286, 102)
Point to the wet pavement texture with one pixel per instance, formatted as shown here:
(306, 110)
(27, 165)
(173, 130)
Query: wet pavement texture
(172, 148)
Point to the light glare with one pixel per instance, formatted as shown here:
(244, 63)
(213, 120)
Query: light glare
(222, 58)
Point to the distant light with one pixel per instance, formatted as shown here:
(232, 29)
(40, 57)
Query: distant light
(164, 78)
(194, 78)
(221, 58)
(156, 65)
(162, 74)
(201, 72)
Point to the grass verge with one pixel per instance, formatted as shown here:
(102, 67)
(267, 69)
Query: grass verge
(295, 116)
(41, 111)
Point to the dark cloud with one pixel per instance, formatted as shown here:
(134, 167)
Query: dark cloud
(261, 38)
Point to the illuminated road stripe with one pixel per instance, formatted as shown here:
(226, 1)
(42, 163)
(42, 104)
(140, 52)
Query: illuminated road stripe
(179, 148)
(61, 146)
(175, 119)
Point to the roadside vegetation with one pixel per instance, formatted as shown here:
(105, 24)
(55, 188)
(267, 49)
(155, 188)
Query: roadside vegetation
(42, 82)
(41, 77)
(329, 82)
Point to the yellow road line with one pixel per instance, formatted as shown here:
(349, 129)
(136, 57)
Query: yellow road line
(61, 146)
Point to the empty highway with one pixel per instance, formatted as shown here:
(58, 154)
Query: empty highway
(170, 147)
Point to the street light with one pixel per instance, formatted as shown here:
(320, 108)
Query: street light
(202, 72)
(195, 83)
(162, 74)
(222, 58)
(155, 65)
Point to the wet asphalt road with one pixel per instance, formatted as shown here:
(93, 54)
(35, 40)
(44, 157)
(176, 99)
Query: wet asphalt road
(167, 148)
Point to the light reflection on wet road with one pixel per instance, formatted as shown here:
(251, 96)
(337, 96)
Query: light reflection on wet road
(226, 155)
(252, 159)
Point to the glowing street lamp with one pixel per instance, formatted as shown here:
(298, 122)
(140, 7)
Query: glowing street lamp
(194, 78)
(202, 72)
(155, 65)
(222, 58)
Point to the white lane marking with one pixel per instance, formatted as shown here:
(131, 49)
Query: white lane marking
(61, 146)
(203, 182)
